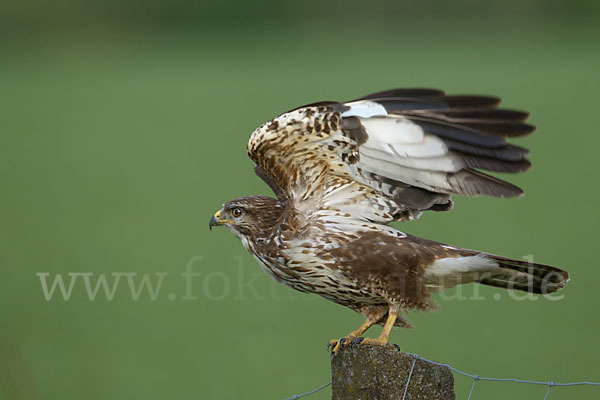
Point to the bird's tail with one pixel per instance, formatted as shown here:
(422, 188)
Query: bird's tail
(497, 271)
(526, 276)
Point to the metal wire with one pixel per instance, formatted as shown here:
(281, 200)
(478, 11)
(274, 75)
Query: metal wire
(297, 396)
(476, 378)
(409, 376)
(550, 385)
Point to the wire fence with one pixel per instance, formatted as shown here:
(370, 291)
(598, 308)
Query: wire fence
(476, 378)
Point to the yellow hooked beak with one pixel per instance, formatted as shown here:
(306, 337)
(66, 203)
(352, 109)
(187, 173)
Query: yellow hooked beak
(216, 220)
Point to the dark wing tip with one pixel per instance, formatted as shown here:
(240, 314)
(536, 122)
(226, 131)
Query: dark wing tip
(421, 93)
(496, 114)
(494, 164)
(470, 101)
(474, 183)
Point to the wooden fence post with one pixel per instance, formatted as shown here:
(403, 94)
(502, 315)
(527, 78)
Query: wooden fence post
(369, 372)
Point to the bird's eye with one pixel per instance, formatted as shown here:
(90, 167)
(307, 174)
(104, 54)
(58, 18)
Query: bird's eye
(236, 212)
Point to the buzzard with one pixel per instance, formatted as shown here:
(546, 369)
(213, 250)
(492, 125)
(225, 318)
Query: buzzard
(342, 172)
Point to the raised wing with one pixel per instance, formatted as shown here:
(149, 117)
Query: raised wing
(397, 152)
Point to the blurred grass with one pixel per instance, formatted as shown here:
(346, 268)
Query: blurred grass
(118, 146)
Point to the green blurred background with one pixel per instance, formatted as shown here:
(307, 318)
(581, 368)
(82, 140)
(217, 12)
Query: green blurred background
(123, 128)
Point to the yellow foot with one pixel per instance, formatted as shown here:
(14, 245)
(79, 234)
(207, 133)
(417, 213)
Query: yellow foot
(380, 341)
(336, 344)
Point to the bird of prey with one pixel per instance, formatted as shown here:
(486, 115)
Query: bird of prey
(342, 172)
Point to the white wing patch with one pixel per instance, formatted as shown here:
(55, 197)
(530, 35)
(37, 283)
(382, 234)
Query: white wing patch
(429, 146)
(399, 149)
(364, 109)
(396, 141)
(387, 161)
(392, 130)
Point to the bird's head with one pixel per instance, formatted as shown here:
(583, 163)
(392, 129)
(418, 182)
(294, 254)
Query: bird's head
(252, 216)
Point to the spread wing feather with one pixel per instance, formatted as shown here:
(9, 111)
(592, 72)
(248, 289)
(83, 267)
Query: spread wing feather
(391, 154)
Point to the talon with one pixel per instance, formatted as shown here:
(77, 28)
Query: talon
(332, 343)
(331, 356)
(336, 346)
(396, 347)
(358, 340)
